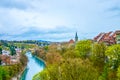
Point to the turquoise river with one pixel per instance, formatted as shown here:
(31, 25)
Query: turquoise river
(34, 66)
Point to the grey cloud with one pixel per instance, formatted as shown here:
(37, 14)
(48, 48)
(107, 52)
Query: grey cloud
(115, 8)
(13, 4)
(57, 30)
(59, 33)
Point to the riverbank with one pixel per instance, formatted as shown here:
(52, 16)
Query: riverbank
(23, 74)
(34, 66)
(40, 59)
(22, 66)
(9, 72)
(18, 77)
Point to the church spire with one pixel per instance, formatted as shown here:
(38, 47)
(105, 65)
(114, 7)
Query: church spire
(76, 37)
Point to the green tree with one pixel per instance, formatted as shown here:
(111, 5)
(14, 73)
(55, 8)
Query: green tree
(113, 53)
(0, 54)
(83, 47)
(98, 55)
(118, 73)
(70, 53)
(4, 74)
(46, 48)
(70, 69)
(0, 49)
(12, 49)
(42, 75)
(53, 58)
(62, 50)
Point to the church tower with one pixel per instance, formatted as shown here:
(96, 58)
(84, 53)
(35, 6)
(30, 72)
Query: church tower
(76, 37)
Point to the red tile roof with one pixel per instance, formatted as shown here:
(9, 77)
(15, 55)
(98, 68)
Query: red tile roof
(71, 41)
(106, 37)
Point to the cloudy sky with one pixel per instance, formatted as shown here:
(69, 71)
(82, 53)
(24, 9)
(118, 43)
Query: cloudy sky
(57, 20)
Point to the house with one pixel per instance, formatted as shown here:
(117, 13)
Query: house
(108, 38)
(5, 52)
(118, 37)
(5, 59)
(71, 41)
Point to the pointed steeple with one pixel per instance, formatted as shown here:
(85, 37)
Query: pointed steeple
(76, 37)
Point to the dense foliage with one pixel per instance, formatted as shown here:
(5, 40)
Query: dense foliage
(12, 50)
(0, 53)
(86, 60)
(7, 72)
(83, 48)
(70, 69)
(0, 49)
(113, 53)
(98, 57)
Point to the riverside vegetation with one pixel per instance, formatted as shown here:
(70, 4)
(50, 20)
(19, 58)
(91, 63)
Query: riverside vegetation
(9, 71)
(86, 60)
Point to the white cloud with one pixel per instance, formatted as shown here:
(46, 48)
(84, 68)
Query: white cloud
(50, 16)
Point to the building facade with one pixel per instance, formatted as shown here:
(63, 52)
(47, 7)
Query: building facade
(108, 38)
(118, 37)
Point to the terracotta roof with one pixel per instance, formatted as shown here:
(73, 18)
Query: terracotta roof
(71, 41)
(118, 32)
(106, 37)
(5, 59)
(96, 38)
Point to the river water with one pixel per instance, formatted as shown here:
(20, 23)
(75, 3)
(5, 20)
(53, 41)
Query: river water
(34, 66)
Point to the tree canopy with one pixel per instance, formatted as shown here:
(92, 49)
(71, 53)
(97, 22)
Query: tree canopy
(83, 47)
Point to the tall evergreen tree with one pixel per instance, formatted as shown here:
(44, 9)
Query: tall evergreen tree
(0, 49)
(12, 49)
